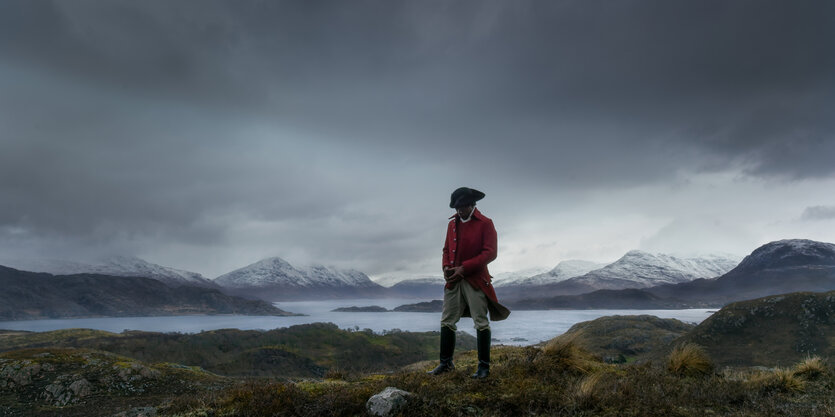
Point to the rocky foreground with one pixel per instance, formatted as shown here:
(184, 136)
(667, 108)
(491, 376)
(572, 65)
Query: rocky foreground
(559, 378)
(611, 366)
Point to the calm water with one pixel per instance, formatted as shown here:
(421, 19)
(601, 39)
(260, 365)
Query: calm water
(522, 328)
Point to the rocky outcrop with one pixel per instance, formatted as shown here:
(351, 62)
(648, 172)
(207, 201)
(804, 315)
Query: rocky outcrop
(387, 403)
(77, 378)
(20, 373)
(67, 389)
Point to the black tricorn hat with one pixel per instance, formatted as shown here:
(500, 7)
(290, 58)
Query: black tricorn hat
(464, 196)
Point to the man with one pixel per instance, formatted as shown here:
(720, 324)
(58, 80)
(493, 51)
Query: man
(470, 245)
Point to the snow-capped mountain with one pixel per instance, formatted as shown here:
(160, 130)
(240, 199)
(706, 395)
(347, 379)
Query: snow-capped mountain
(511, 277)
(788, 253)
(639, 269)
(778, 267)
(563, 271)
(413, 281)
(276, 279)
(277, 271)
(392, 280)
(123, 266)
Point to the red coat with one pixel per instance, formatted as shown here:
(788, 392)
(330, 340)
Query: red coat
(473, 245)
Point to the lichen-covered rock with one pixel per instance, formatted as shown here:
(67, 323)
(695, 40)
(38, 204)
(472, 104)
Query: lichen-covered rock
(387, 402)
(18, 373)
(81, 388)
(135, 372)
(67, 389)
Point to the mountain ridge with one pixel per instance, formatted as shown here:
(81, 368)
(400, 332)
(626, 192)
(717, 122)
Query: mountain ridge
(34, 295)
(276, 279)
(634, 270)
(761, 275)
(123, 266)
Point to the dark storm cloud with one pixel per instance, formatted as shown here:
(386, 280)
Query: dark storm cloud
(157, 120)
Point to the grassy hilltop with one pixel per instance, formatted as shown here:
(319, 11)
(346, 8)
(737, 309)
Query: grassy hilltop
(304, 351)
(620, 339)
(771, 331)
(671, 369)
(558, 378)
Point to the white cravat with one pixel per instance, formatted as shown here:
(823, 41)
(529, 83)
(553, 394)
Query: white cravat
(468, 218)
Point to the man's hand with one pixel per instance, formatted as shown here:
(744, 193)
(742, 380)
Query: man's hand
(454, 274)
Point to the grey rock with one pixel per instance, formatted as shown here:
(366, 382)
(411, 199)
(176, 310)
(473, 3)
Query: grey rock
(57, 394)
(67, 389)
(81, 388)
(19, 373)
(387, 402)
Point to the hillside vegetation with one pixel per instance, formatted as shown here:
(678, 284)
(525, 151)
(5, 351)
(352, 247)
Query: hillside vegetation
(625, 338)
(82, 382)
(559, 378)
(320, 370)
(770, 331)
(30, 295)
(308, 350)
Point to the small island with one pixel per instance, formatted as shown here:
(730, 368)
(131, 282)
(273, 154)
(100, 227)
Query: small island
(434, 306)
(365, 309)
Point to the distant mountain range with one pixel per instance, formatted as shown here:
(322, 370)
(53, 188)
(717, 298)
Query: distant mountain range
(275, 279)
(662, 281)
(31, 295)
(775, 268)
(120, 266)
(636, 269)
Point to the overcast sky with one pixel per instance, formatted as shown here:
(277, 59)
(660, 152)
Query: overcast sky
(206, 135)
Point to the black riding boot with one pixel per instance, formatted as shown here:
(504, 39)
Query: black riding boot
(483, 370)
(447, 349)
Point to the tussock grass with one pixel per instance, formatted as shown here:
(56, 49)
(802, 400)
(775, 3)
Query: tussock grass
(587, 389)
(689, 360)
(778, 380)
(566, 353)
(810, 368)
(558, 378)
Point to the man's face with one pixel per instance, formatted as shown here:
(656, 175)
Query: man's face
(465, 211)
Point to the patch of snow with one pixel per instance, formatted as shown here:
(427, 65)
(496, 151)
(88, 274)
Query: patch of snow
(276, 271)
(789, 252)
(123, 266)
(639, 269)
(390, 281)
(540, 276)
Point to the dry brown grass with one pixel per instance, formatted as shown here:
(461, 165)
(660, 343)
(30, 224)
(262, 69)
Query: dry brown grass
(588, 388)
(689, 360)
(810, 368)
(566, 353)
(779, 380)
